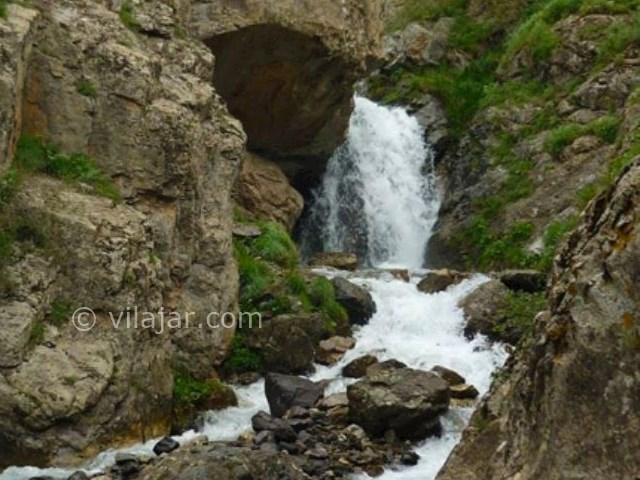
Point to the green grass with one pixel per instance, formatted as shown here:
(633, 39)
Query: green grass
(9, 185)
(61, 311)
(520, 312)
(243, 358)
(275, 245)
(3, 9)
(33, 155)
(424, 10)
(619, 36)
(36, 337)
(189, 391)
(86, 88)
(323, 297)
(127, 16)
(255, 277)
(554, 234)
(606, 128)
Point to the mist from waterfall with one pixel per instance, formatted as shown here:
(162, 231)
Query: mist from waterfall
(378, 197)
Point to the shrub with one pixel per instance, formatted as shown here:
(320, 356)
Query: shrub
(3, 9)
(520, 312)
(255, 277)
(551, 240)
(61, 311)
(86, 88)
(323, 297)
(619, 36)
(36, 336)
(127, 16)
(189, 391)
(243, 358)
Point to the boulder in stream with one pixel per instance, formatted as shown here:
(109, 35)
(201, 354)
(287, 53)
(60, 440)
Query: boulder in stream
(356, 300)
(338, 260)
(405, 401)
(358, 368)
(286, 391)
(439, 280)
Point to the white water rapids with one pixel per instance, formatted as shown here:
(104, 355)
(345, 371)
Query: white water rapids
(379, 196)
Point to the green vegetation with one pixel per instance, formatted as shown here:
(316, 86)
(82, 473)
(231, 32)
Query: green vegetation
(189, 391)
(243, 358)
(61, 311)
(423, 10)
(619, 36)
(127, 16)
(86, 88)
(33, 155)
(520, 312)
(323, 297)
(36, 337)
(606, 128)
(3, 9)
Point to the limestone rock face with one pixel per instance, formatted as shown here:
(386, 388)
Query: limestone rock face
(404, 400)
(582, 363)
(153, 122)
(16, 37)
(264, 191)
(287, 69)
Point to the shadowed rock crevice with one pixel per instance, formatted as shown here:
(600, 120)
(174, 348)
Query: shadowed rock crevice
(292, 96)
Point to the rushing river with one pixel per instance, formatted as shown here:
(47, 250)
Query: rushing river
(379, 197)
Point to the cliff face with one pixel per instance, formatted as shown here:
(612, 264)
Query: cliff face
(568, 407)
(133, 87)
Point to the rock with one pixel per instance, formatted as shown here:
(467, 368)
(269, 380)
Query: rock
(356, 301)
(418, 44)
(166, 445)
(429, 112)
(358, 368)
(338, 260)
(530, 281)
(551, 405)
(264, 436)
(405, 401)
(439, 280)
(222, 461)
(263, 190)
(79, 475)
(284, 392)
(333, 401)
(307, 59)
(243, 230)
(332, 350)
(410, 459)
(319, 453)
(452, 377)
(261, 421)
(282, 431)
(287, 342)
(482, 309)
(127, 465)
(463, 391)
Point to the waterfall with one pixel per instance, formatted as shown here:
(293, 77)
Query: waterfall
(378, 197)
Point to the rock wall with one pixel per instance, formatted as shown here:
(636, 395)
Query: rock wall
(287, 69)
(569, 405)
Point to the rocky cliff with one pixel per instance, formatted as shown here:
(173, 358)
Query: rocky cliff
(567, 405)
(118, 157)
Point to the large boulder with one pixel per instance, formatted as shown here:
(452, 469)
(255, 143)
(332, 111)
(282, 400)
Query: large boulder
(286, 391)
(287, 69)
(219, 460)
(356, 300)
(287, 343)
(568, 405)
(358, 368)
(332, 349)
(439, 280)
(338, 260)
(406, 401)
(264, 191)
(483, 312)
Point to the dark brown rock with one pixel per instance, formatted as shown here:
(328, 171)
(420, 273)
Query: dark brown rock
(356, 301)
(358, 368)
(285, 391)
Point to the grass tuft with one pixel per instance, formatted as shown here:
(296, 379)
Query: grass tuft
(86, 88)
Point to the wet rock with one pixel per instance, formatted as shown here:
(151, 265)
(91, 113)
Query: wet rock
(265, 436)
(318, 453)
(439, 280)
(452, 377)
(284, 392)
(126, 465)
(79, 475)
(338, 260)
(356, 300)
(332, 350)
(410, 459)
(261, 421)
(263, 190)
(530, 281)
(463, 391)
(358, 368)
(402, 400)
(166, 445)
(482, 310)
(287, 342)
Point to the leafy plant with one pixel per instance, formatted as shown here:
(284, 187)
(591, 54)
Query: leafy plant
(520, 311)
(61, 311)
(127, 16)
(86, 88)
(33, 155)
(243, 358)
(187, 390)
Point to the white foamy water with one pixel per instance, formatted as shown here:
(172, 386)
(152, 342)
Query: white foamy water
(378, 196)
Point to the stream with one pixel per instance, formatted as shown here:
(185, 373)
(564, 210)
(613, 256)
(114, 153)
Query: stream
(379, 197)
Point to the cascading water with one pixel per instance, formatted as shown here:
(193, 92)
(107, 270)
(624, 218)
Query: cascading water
(378, 197)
